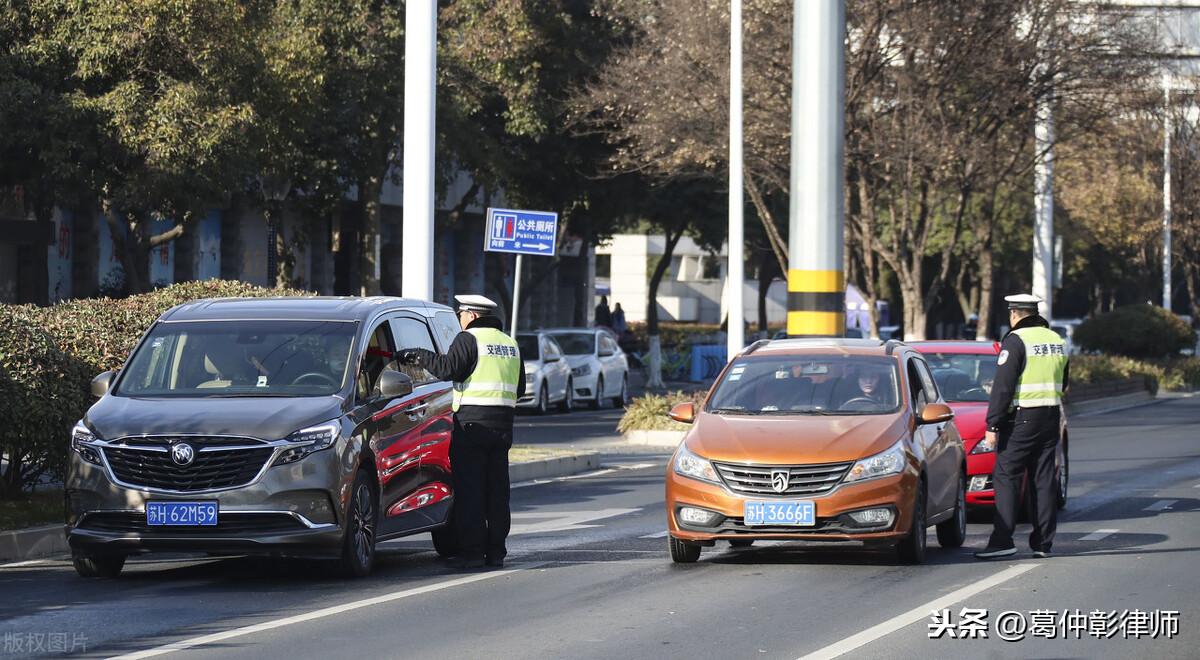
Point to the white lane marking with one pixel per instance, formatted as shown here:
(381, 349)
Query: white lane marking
(656, 535)
(585, 475)
(1160, 505)
(1099, 534)
(309, 616)
(917, 613)
(18, 564)
(634, 466)
(1196, 486)
(561, 521)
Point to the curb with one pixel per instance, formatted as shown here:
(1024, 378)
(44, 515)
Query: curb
(32, 542)
(669, 439)
(1110, 404)
(551, 468)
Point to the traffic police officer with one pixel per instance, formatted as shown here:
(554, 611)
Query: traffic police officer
(488, 377)
(1023, 426)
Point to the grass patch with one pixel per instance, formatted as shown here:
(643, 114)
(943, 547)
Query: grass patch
(649, 413)
(529, 453)
(32, 509)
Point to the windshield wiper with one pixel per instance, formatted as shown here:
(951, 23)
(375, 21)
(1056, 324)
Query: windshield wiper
(235, 395)
(735, 411)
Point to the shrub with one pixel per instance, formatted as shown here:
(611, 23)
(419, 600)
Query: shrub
(1139, 331)
(649, 413)
(49, 355)
(1175, 374)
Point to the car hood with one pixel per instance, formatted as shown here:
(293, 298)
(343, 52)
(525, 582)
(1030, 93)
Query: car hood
(268, 418)
(578, 360)
(793, 439)
(971, 421)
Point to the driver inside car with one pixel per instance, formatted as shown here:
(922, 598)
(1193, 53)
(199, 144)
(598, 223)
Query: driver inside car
(871, 390)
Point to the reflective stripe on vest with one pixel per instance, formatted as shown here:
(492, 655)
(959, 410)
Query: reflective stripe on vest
(497, 369)
(1041, 382)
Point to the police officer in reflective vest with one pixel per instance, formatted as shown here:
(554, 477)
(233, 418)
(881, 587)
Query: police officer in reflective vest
(1023, 419)
(488, 377)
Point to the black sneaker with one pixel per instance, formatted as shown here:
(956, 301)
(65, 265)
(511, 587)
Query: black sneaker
(466, 562)
(1041, 554)
(995, 553)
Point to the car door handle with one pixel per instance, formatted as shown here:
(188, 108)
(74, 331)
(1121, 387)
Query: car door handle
(417, 409)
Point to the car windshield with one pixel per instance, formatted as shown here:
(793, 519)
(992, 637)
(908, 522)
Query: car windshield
(963, 378)
(240, 358)
(808, 384)
(576, 343)
(528, 346)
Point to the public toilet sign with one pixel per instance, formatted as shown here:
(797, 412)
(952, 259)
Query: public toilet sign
(521, 232)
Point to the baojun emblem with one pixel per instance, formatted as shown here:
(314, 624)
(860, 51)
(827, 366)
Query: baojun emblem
(779, 480)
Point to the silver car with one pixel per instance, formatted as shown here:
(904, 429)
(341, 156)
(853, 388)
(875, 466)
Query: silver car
(599, 368)
(547, 374)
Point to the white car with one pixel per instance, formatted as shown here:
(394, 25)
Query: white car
(598, 365)
(547, 373)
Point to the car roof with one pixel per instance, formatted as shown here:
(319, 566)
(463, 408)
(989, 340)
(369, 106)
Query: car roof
(316, 308)
(957, 347)
(811, 345)
(562, 330)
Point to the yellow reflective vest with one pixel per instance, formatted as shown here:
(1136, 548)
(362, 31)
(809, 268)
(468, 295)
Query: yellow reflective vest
(1041, 382)
(493, 382)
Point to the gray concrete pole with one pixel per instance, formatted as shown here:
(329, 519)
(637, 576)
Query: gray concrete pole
(735, 336)
(1166, 219)
(1043, 203)
(420, 101)
(816, 280)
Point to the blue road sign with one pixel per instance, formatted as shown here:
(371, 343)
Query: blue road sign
(521, 232)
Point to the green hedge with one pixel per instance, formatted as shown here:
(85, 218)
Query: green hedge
(1138, 331)
(1174, 374)
(48, 356)
(649, 413)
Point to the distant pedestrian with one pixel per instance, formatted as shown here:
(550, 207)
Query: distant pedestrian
(618, 320)
(603, 315)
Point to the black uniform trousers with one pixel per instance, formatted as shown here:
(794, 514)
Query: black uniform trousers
(479, 460)
(1027, 445)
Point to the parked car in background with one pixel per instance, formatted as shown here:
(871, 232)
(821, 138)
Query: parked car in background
(547, 374)
(825, 440)
(1066, 329)
(599, 368)
(964, 371)
(275, 426)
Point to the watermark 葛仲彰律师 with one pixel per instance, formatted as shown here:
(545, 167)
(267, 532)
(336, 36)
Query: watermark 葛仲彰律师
(43, 642)
(1014, 626)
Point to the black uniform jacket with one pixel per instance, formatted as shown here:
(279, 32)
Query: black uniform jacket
(1010, 365)
(458, 363)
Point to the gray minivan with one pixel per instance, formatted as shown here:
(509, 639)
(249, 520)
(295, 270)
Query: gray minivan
(278, 426)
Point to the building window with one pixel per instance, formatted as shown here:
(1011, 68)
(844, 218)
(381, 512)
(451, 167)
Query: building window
(712, 268)
(604, 265)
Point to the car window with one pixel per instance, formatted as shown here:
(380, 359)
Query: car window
(527, 346)
(916, 389)
(576, 343)
(413, 333)
(240, 358)
(378, 356)
(927, 382)
(445, 328)
(963, 377)
(816, 384)
(551, 348)
(607, 345)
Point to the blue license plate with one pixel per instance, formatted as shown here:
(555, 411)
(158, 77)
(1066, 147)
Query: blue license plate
(801, 513)
(183, 514)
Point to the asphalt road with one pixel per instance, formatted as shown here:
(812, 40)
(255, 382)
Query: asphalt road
(589, 577)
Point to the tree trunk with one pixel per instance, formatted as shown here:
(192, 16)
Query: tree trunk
(654, 378)
(987, 284)
(1191, 273)
(369, 192)
(766, 274)
(774, 238)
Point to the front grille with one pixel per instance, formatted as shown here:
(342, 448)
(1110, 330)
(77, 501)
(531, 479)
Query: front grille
(146, 463)
(802, 479)
(228, 524)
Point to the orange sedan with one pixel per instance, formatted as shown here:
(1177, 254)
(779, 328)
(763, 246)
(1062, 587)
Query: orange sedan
(826, 440)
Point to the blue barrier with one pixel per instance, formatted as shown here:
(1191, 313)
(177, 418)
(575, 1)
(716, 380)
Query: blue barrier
(707, 361)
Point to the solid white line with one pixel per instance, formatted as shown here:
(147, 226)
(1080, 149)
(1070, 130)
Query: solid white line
(1098, 534)
(917, 613)
(656, 535)
(1160, 505)
(585, 475)
(18, 564)
(309, 616)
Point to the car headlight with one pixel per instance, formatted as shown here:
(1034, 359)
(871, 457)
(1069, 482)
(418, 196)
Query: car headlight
(582, 370)
(982, 447)
(306, 441)
(692, 466)
(81, 443)
(889, 461)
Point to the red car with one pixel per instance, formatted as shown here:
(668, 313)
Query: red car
(964, 371)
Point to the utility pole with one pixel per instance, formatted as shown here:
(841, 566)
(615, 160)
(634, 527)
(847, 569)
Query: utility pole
(1043, 204)
(420, 101)
(735, 333)
(816, 279)
(1166, 253)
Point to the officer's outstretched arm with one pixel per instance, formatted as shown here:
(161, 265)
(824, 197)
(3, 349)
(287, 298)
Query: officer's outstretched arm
(456, 364)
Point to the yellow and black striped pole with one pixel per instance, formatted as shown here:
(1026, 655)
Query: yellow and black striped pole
(816, 283)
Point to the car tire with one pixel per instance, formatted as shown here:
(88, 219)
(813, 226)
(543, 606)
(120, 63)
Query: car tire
(622, 396)
(445, 538)
(951, 533)
(1064, 479)
(543, 404)
(97, 566)
(741, 543)
(568, 402)
(358, 544)
(683, 552)
(598, 401)
(911, 550)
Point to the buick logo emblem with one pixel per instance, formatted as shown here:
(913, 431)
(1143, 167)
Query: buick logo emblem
(183, 454)
(779, 480)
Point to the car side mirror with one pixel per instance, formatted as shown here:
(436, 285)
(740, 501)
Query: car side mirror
(604, 352)
(551, 358)
(683, 412)
(394, 384)
(936, 413)
(101, 383)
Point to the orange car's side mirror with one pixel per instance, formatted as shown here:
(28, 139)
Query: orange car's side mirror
(683, 412)
(936, 413)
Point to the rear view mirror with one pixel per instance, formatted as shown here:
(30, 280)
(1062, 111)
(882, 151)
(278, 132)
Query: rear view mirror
(393, 384)
(683, 412)
(101, 383)
(936, 413)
